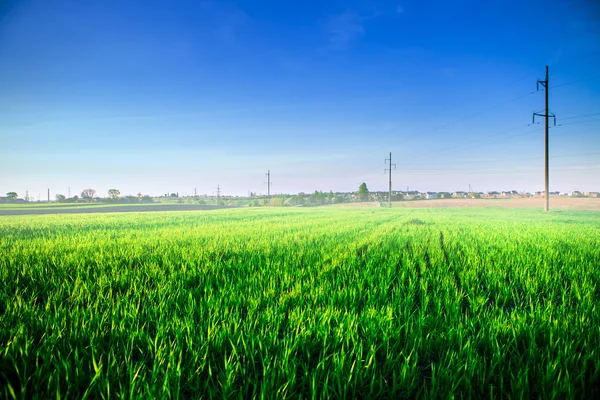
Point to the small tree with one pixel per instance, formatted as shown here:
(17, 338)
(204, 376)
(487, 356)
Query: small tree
(363, 192)
(12, 195)
(60, 198)
(114, 193)
(339, 199)
(88, 194)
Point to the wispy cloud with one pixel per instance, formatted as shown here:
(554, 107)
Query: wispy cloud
(342, 29)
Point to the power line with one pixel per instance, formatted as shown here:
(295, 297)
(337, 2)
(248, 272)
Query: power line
(465, 117)
(546, 114)
(580, 122)
(500, 169)
(581, 116)
(459, 148)
(474, 115)
(574, 82)
(500, 87)
(505, 160)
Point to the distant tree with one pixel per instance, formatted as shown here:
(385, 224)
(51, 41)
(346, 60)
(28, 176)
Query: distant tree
(276, 201)
(88, 194)
(114, 193)
(12, 195)
(363, 192)
(174, 195)
(339, 199)
(72, 199)
(330, 197)
(60, 198)
(147, 199)
(320, 197)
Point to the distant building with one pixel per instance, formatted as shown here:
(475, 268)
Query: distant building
(509, 193)
(430, 195)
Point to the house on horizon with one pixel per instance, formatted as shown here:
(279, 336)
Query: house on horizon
(509, 193)
(430, 195)
(492, 195)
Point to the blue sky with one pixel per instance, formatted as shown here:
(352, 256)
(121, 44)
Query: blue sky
(157, 96)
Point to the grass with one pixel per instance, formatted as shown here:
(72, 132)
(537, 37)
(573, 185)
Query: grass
(280, 303)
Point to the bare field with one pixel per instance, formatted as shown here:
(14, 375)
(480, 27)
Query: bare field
(564, 203)
(555, 202)
(86, 209)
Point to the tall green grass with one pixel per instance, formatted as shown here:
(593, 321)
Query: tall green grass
(275, 303)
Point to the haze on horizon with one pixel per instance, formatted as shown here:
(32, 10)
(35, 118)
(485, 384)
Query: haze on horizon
(159, 97)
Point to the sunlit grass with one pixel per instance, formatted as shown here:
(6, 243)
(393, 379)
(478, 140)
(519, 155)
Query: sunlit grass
(280, 303)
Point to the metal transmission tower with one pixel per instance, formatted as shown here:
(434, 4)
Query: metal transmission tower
(546, 115)
(268, 175)
(389, 162)
(218, 192)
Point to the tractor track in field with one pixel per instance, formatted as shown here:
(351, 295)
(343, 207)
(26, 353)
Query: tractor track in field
(111, 209)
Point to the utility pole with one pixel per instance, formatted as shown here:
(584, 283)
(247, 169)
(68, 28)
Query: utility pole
(546, 115)
(389, 162)
(268, 175)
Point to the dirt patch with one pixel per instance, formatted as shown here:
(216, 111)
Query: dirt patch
(366, 204)
(564, 203)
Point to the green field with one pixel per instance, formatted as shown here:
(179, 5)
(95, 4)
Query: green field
(301, 303)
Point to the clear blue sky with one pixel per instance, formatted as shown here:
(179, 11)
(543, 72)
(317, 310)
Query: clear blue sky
(165, 96)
